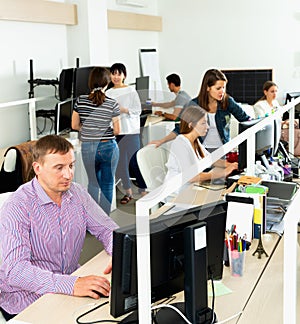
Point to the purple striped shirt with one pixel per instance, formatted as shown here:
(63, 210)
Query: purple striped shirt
(41, 242)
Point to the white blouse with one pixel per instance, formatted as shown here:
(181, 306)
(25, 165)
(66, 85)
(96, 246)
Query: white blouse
(127, 97)
(182, 158)
(262, 108)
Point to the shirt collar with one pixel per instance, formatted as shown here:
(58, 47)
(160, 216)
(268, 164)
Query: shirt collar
(44, 198)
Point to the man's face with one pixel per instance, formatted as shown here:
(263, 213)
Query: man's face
(56, 172)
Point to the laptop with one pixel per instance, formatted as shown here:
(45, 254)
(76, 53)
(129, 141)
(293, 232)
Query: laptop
(280, 192)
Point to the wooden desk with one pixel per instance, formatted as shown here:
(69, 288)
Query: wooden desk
(68, 308)
(266, 303)
(62, 309)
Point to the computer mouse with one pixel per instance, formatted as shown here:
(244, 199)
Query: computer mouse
(99, 294)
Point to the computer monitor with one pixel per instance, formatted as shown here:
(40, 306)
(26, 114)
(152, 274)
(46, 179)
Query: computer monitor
(266, 140)
(65, 84)
(289, 97)
(167, 255)
(63, 116)
(142, 88)
(81, 80)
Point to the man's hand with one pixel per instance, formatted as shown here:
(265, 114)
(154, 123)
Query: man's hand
(158, 113)
(84, 286)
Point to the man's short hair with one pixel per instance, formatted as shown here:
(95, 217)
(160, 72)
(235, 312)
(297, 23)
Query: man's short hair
(50, 144)
(174, 78)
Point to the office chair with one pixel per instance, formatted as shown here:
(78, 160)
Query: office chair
(152, 163)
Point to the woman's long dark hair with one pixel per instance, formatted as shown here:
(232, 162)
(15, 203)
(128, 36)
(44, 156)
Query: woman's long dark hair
(98, 80)
(209, 79)
(189, 118)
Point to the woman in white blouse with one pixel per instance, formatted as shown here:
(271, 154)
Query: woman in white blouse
(268, 103)
(186, 150)
(129, 138)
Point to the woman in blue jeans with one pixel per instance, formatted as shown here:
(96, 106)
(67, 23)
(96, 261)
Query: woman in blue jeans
(100, 161)
(97, 118)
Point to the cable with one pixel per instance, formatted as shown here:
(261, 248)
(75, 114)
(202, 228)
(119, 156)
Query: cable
(213, 300)
(99, 321)
(174, 308)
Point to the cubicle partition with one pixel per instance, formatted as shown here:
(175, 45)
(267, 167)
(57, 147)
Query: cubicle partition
(144, 205)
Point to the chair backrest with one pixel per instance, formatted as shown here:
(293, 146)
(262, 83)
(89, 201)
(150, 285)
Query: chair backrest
(3, 197)
(152, 164)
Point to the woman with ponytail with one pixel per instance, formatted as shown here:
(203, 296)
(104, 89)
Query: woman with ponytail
(96, 117)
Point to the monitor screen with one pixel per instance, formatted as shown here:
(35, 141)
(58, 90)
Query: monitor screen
(264, 140)
(65, 84)
(81, 81)
(63, 116)
(166, 253)
(142, 88)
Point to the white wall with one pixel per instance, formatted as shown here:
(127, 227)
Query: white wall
(22, 41)
(124, 45)
(198, 35)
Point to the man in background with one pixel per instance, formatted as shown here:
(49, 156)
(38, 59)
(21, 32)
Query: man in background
(181, 100)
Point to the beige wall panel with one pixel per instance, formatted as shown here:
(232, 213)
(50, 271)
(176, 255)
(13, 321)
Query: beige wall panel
(38, 11)
(127, 20)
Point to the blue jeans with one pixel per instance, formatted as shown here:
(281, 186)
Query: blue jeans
(129, 145)
(100, 160)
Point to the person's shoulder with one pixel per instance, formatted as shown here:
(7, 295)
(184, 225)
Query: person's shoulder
(24, 194)
(194, 101)
(259, 103)
(110, 100)
(82, 97)
(77, 188)
(184, 93)
(231, 100)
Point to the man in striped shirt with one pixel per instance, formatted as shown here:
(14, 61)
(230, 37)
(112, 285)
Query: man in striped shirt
(42, 228)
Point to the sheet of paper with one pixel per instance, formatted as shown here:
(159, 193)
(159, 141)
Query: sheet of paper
(219, 288)
(240, 215)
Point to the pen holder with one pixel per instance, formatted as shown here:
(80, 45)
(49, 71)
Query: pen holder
(237, 262)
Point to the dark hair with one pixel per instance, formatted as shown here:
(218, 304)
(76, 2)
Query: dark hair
(118, 67)
(50, 144)
(210, 78)
(190, 117)
(174, 78)
(267, 85)
(98, 79)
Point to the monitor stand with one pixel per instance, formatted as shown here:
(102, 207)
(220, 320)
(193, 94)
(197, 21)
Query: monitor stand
(195, 306)
(168, 315)
(195, 284)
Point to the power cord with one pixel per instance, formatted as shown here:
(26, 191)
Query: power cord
(172, 307)
(92, 310)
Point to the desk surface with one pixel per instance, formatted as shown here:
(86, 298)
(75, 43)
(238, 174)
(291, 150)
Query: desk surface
(55, 308)
(266, 303)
